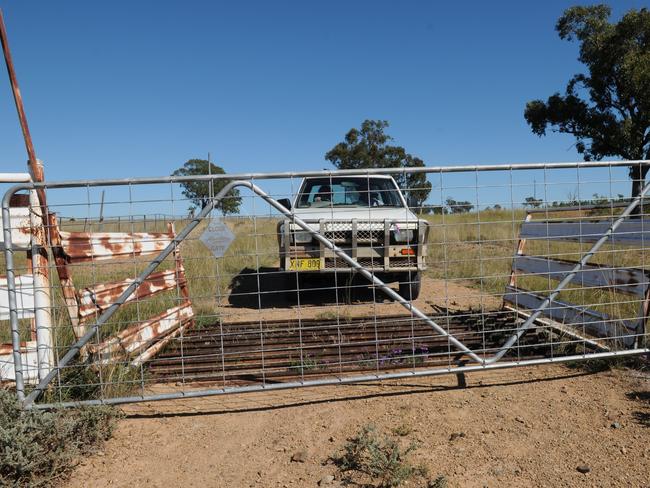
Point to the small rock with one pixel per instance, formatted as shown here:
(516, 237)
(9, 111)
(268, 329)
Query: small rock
(456, 435)
(331, 439)
(583, 468)
(623, 450)
(520, 420)
(616, 425)
(326, 480)
(299, 456)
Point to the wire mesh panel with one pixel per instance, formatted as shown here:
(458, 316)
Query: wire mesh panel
(287, 280)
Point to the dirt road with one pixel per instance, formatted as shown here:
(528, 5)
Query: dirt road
(523, 427)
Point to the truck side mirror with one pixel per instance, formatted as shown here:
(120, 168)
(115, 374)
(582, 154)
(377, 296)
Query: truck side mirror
(411, 201)
(285, 202)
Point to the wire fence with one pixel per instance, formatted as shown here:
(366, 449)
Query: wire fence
(275, 281)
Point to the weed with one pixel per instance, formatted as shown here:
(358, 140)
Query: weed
(402, 430)
(640, 363)
(39, 449)
(308, 363)
(333, 316)
(439, 482)
(380, 458)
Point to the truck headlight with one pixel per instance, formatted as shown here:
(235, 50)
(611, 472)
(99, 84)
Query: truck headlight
(301, 237)
(405, 235)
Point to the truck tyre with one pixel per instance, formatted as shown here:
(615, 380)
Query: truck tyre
(410, 285)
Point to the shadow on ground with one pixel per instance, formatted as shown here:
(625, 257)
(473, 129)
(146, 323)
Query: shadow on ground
(268, 287)
(642, 417)
(389, 388)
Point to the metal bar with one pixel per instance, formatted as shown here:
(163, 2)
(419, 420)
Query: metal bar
(338, 381)
(632, 281)
(13, 306)
(143, 334)
(368, 171)
(564, 330)
(15, 177)
(634, 232)
(17, 97)
(98, 246)
(594, 323)
(92, 299)
(608, 206)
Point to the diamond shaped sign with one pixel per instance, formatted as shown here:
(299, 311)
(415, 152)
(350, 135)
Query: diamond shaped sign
(217, 236)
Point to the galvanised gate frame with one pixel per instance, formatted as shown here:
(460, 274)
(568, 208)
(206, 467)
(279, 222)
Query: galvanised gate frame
(458, 350)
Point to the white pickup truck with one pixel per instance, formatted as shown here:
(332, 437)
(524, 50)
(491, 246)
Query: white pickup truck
(365, 216)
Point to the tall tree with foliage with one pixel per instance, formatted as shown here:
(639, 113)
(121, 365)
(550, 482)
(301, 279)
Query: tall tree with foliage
(368, 147)
(199, 192)
(607, 108)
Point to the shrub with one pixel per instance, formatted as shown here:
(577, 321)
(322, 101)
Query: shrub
(381, 458)
(39, 448)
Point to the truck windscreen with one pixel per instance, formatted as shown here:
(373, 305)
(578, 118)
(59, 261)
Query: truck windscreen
(350, 192)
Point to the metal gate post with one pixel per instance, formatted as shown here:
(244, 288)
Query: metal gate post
(13, 306)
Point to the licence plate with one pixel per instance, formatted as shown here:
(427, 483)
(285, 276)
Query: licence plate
(304, 264)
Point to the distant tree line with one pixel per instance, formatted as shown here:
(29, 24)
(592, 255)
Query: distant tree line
(451, 207)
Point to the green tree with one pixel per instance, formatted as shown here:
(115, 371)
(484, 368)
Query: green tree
(199, 192)
(368, 147)
(532, 202)
(607, 108)
(461, 206)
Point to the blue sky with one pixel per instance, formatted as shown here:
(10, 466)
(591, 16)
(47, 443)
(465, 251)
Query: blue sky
(118, 89)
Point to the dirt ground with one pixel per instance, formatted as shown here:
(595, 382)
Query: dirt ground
(520, 427)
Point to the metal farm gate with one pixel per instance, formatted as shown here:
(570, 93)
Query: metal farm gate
(517, 265)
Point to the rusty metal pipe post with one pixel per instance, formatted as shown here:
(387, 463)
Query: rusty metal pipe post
(37, 172)
(42, 294)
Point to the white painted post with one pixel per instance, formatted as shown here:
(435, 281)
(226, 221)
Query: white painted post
(42, 298)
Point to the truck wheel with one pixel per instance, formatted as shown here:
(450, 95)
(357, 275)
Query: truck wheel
(410, 285)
